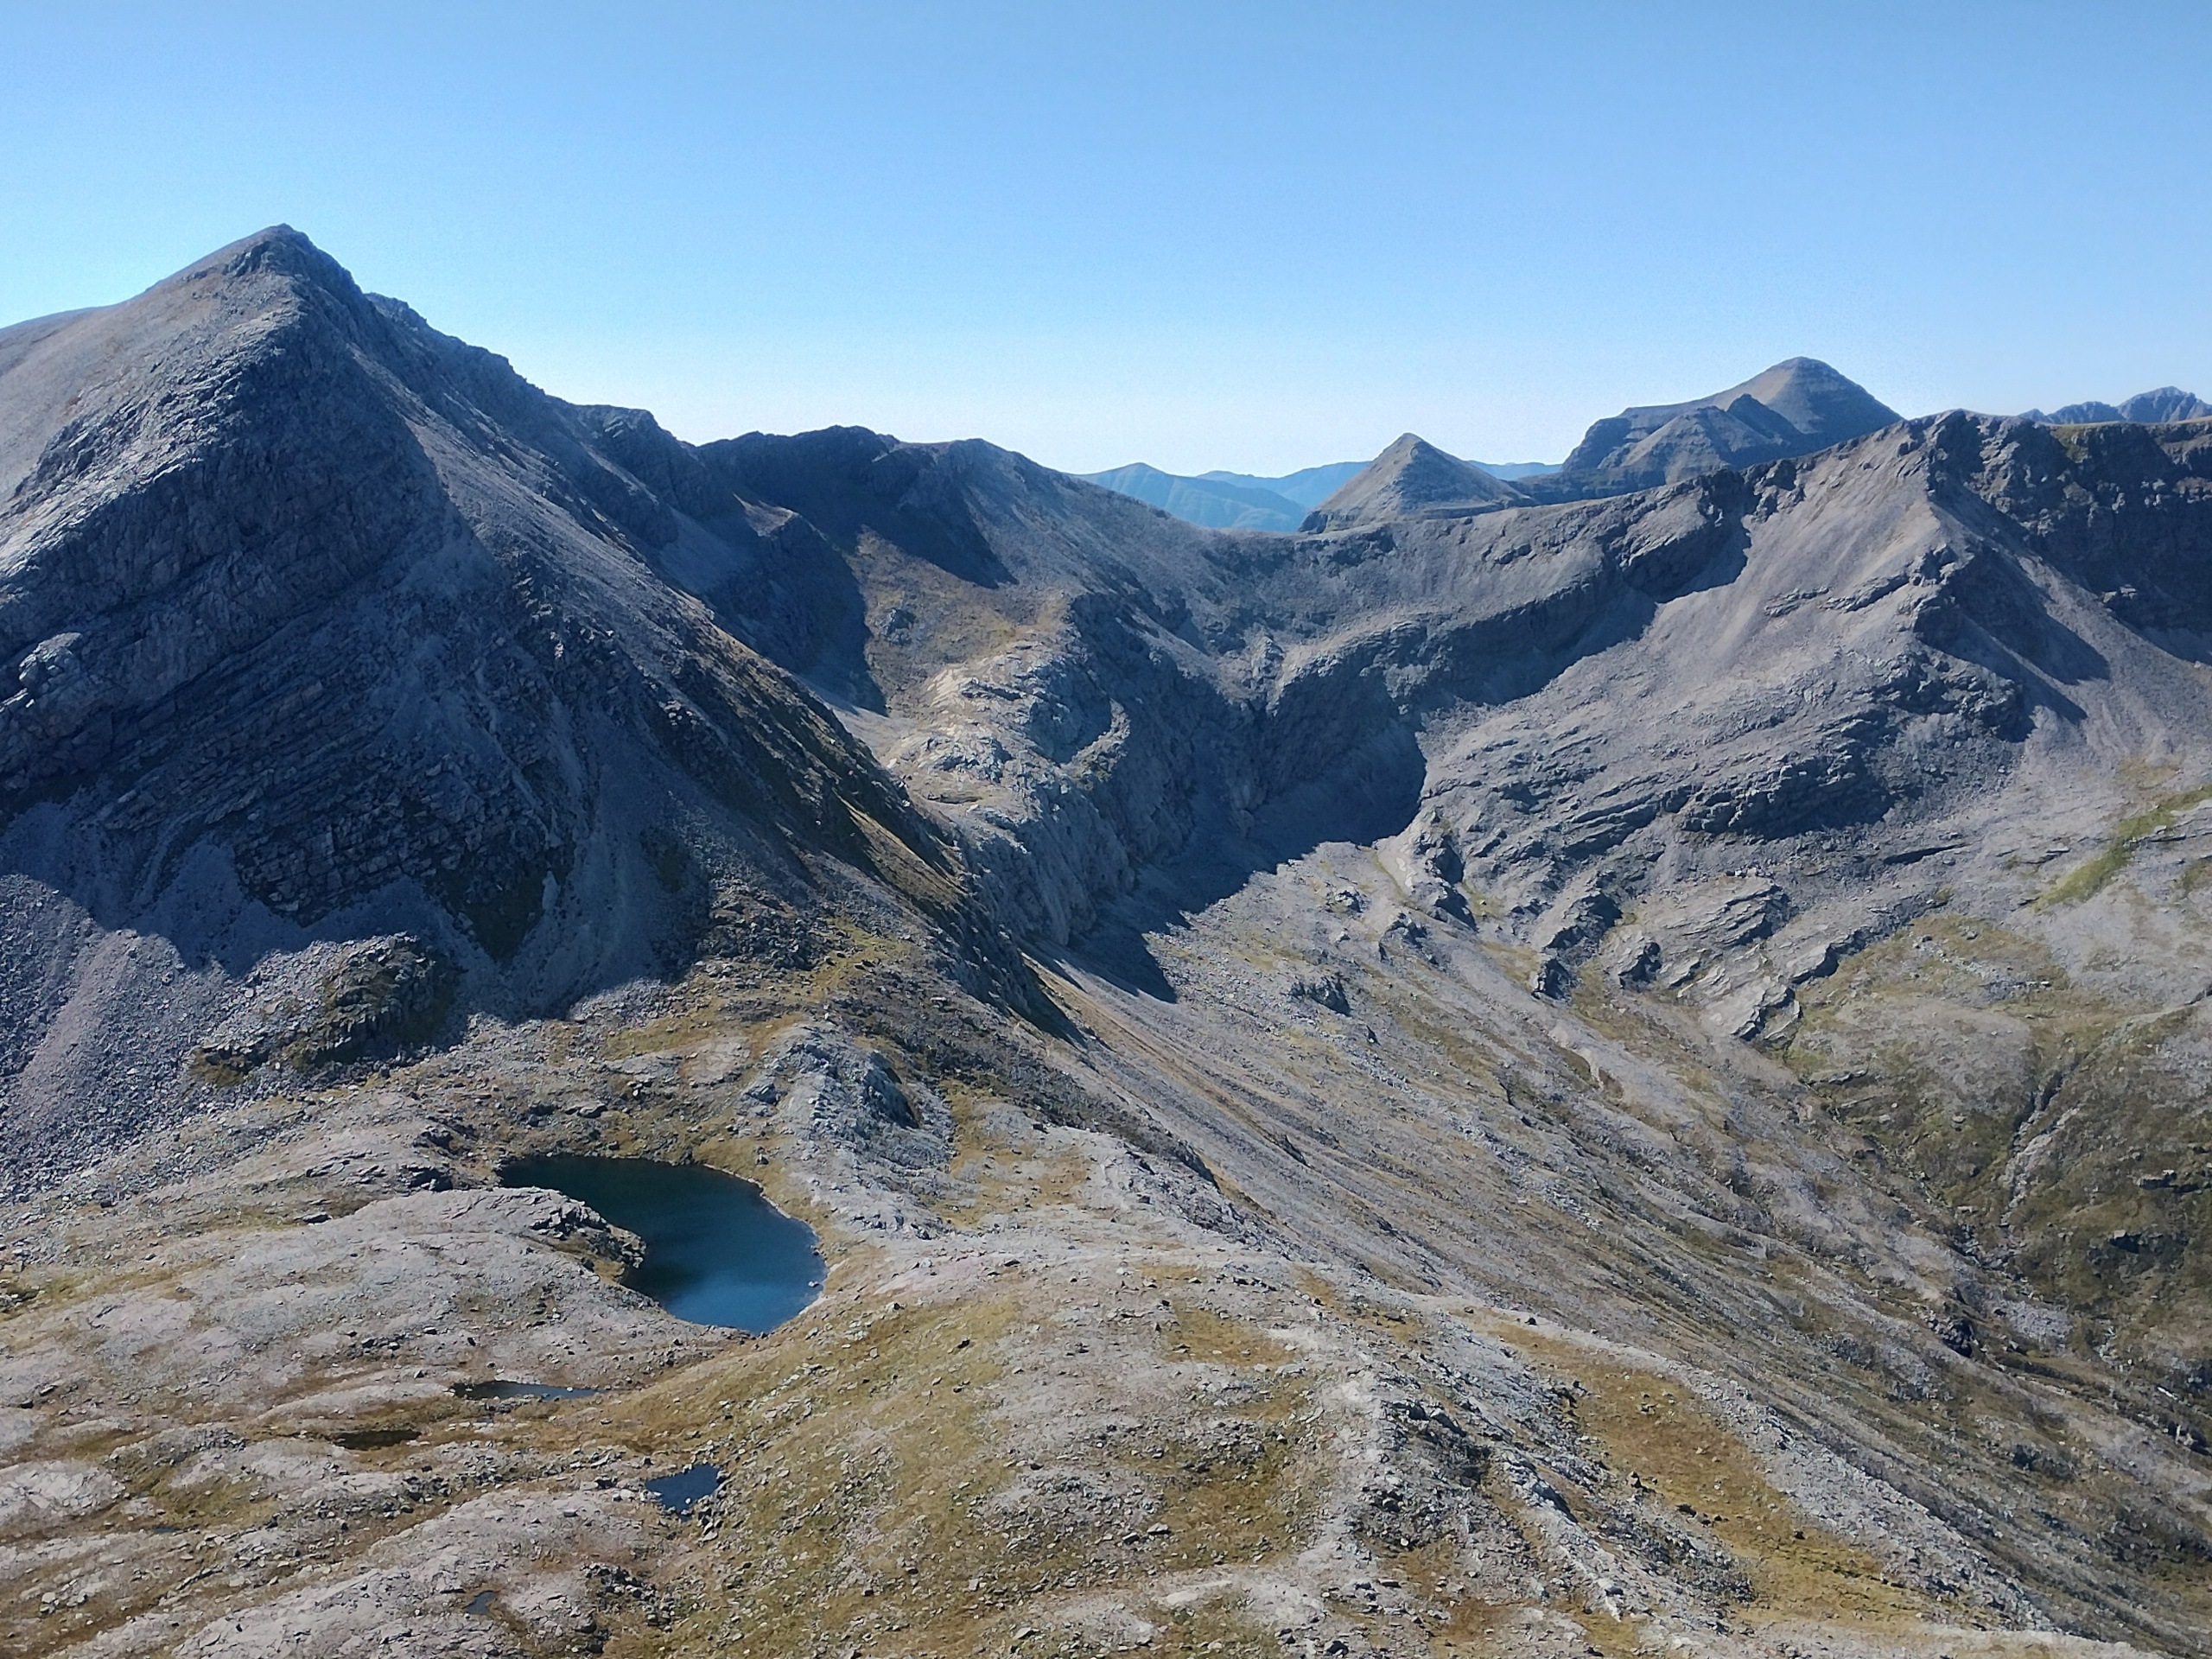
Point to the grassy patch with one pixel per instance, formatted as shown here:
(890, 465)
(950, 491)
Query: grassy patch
(2086, 878)
(1199, 1333)
(870, 1503)
(1658, 1435)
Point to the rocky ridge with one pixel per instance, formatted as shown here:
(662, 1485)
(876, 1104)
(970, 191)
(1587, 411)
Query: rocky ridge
(2166, 404)
(325, 627)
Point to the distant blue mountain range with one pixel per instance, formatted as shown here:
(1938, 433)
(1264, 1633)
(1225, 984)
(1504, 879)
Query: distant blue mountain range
(2166, 404)
(1224, 500)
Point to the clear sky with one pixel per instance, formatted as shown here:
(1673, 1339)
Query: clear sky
(1252, 236)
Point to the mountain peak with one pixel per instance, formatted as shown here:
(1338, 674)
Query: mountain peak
(1792, 408)
(1412, 476)
(279, 249)
(2152, 408)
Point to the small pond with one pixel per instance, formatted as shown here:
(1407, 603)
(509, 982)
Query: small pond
(500, 1391)
(717, 1251)
(681, 1492)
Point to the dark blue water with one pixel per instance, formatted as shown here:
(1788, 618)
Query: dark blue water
(520, 1391)
(716, 1252)
(676, 1493)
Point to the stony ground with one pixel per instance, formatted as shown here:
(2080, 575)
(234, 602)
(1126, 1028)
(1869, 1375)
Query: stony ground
(1061, 1395)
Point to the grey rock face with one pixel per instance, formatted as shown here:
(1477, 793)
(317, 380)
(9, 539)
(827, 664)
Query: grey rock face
(1857, 644)
(374, 997)
(320, 626)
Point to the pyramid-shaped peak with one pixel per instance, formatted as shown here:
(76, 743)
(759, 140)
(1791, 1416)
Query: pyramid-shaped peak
(1819, 401)
(1808, 393)
(1411, 476)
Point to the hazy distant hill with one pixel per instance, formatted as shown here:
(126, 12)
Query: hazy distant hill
(1309, 487)
(1214, 502)
(1225, 500)
(1510, 470)
(2166, 404)
(1797, 407)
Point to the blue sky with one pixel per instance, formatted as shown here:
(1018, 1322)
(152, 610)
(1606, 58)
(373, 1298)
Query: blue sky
(1253, 236)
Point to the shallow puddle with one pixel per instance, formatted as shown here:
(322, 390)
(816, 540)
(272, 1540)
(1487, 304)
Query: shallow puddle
(678, 1492)
(717, 1251)
(520, 1391)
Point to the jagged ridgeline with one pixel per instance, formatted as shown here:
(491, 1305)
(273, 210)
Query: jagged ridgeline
(1744, 895)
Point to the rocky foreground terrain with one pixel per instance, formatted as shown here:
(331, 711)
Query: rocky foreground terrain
(1618, 1076)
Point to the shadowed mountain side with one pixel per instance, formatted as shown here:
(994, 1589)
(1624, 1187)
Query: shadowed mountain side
(1809, 636)
(326, 628)
(1816, 625)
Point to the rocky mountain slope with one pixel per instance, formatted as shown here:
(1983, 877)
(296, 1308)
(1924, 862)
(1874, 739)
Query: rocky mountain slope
(1793, 408)
(1620, 1074)
(326, 629)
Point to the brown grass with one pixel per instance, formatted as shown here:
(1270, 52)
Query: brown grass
(1657, 1435)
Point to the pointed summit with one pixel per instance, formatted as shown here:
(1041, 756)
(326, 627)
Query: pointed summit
(278, 253)
(1412, 478)
(1799, 405)
(350, 613)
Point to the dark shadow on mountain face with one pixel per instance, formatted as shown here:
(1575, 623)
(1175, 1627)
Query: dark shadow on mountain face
(787, 594)
(1990, 614)
(1336, 748)
(851, 484)
(1369, 795)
